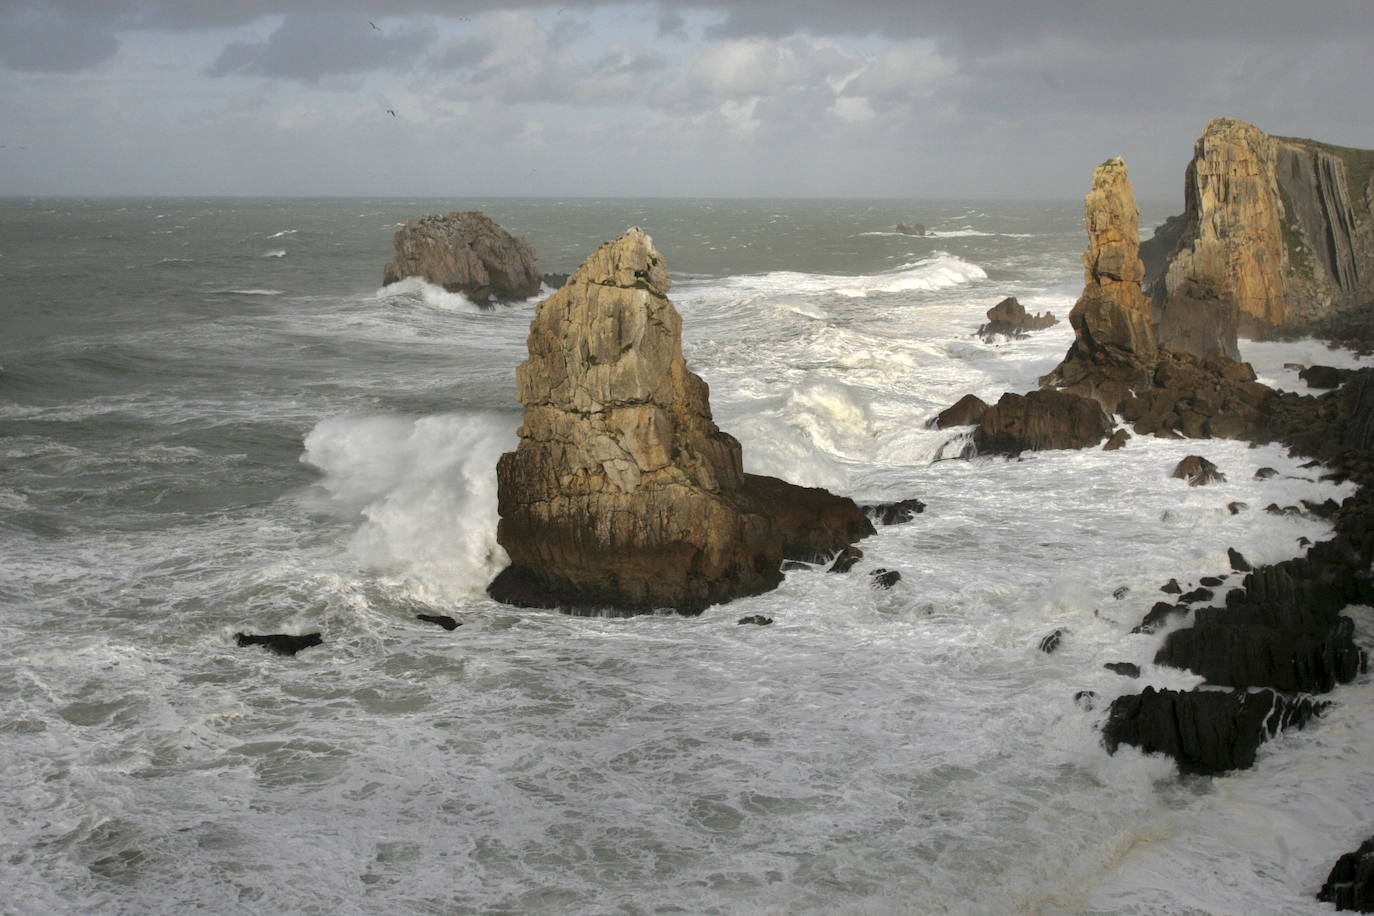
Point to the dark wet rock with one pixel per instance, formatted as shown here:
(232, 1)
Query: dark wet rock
(1198, 471)
(1171, 587)
(1009, 318)
(1304, 542)
(1086, 700)
(1051, 642)
(1324, 377)
(1276, 509)
(757, 620)
(1125, 669)
(465, 252)
(1265, 473)
(1160, 614)
(1238, 561)
(792, 565)
(443, 620)
(896, 513)
(554, 281)
(1117, 440)
(966, 411)
(280, 643)
(905, 229)
(1121, 592)
(1206, 731)
(1350, 885)
(885, 578)
(846, 559)
(1043, 419)
(1196, 596)
(1209, 581)
(1237, 507)
(1325, 509)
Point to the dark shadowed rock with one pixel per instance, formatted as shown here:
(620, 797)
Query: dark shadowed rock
(1160, 614)
(1125, 669)
(1238, 561)
(966, 411)
(1171, 587)
(846, 559)
(895, 513)
(465, 252)
(443, 620)
(1009, 318)
(1210, 581)
(280, 643)
(1051, 642)
(1198, 471)
(1324, 377)
(885, 578)
(1121, 592)
(1265, 473)
(1197, 596)
(1117, 440)
(1085, 700)
(1237, 507)
(1350, 885)
(1207, 732)
(757, 620)
(1044, 419)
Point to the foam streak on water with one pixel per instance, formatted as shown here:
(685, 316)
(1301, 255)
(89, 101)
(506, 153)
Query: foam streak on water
(276, 445)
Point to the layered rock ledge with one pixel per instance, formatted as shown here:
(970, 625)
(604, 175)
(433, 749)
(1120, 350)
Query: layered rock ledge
(468, 253)
(623, 495)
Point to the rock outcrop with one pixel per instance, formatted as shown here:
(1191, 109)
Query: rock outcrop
(1010, 319)
(905, 229)
(1277, 233)
(623, 494)
(1040, 420)
(465, 252)
(1114, 344)
(1350, 885)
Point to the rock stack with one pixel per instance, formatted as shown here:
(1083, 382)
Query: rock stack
(623, 495)
(468, 253)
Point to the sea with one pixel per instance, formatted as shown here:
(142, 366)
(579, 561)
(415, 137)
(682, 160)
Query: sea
(215, 418)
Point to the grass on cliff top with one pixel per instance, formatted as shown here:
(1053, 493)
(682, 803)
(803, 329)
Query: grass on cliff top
(1359, 163)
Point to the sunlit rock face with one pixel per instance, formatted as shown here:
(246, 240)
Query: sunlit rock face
(624, 495)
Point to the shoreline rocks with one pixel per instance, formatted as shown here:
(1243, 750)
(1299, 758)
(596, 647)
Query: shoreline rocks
(1009, 318)
(468, 253)
(623, 495)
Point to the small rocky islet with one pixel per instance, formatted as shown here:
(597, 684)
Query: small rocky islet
(624, 497)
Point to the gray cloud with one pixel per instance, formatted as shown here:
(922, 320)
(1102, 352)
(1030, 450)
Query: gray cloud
(309, 46)
(42, 38)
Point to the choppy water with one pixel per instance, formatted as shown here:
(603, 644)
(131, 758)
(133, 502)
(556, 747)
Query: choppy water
(212, 419)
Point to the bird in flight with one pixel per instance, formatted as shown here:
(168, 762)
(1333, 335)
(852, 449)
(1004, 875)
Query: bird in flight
(391, 111)
(373, 24)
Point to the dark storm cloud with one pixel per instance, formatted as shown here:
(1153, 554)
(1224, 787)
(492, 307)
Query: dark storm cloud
(55, 39)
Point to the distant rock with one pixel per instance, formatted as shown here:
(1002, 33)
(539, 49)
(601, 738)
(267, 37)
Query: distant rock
(757, 620)
(917, 229)
(468, 253)
(966, 411)
(1125, 669)
(623, 495)
(1198, 471)
(1325, 377)
(1009, 318)
(280, 643)
(1044, 419)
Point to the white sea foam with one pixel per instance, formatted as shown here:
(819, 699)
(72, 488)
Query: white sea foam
(250, 292)
(277, 235)
(939, 271)
(425, 490)
(418, 290)
(275, 253)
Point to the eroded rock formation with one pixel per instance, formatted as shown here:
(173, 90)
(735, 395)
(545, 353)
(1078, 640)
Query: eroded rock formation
(1114, 345)
(1277, 233)
(465, 252)
(1010, 319)
(623, 494)
(1040, 420)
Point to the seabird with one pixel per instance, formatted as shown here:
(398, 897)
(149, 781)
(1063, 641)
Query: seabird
(373, 24)
(391, 111)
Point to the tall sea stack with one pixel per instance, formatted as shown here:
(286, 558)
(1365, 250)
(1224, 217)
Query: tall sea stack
(1114, 345)
(623, 495)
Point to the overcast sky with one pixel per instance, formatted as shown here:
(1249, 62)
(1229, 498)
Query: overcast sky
(767, 98)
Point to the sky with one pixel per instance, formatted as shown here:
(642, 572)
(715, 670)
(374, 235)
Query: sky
(675, 98)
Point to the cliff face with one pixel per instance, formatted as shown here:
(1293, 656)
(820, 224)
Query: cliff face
(1277, 232)
(623, 494)
(1114, 345)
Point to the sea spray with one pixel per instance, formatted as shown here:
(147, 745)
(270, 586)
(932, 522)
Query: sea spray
(425, 493)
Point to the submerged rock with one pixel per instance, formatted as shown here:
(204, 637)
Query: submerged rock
(280, 643)
(1198, 471)
(885, 578)
(1051, 642)
(846, 559)
(757, 620)
(623, 495)
(443, 620)
(468, 253)
(894, 513)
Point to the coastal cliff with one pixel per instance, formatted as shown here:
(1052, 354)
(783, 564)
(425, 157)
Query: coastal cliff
(1277, 233)
(623, 494)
